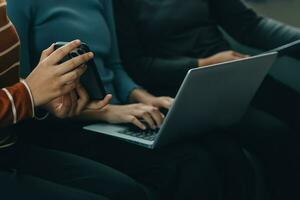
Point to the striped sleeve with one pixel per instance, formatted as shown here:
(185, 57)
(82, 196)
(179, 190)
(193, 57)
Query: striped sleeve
(16, 102)
(15, 105)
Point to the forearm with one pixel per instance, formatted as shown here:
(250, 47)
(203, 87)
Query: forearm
(124, 84)
(15, 105)
(139, 96)
(99, 115)
(270, 34)
(248, 28)
(89, 114)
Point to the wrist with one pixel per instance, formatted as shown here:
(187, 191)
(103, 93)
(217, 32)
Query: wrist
(204, 62)
(32, 91)
(94, 115)
(24, 82)
(140, 96)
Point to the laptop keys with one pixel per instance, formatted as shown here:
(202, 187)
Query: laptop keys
(147, 134)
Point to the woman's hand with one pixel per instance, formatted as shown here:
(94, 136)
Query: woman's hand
(74, 103)
(133, 114)
(51, 80)
(221, 57)
(142, 96)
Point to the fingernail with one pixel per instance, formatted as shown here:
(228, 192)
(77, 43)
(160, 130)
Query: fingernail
(91, 54)
(77, 41)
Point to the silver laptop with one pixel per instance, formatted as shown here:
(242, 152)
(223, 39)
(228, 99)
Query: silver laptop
(209, 98)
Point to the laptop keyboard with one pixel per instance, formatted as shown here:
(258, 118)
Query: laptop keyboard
(148, 134)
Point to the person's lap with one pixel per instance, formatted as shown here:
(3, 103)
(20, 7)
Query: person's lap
(48, 171)
(272, 141)
(262, 134)
(272, 133)
(216, 156)
(279, 100)
(219, 161)
(270, 130)
(189, 170)
(276, 145)
(17, 187)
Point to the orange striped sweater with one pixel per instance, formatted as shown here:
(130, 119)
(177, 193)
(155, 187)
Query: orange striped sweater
(16, 102)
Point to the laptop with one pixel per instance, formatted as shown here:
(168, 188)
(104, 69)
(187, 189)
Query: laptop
(290, 48)
(210, 98)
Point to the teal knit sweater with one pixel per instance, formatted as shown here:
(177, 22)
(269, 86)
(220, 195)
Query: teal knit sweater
(41, 23)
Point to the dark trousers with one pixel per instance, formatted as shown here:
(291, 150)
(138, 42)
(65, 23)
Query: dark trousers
(173, 171)
(277, 147)
(213, 167)
(270, 130)
(179, 171)
(28, 172)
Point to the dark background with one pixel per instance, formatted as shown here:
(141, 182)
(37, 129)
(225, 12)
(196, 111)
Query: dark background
(284, 10)
(287, 11)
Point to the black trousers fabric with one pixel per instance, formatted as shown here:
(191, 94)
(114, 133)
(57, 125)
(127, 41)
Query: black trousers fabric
(277, 147)
(213, 167)
(173, 171)
(276, 140)
(28, 172)
(269, 138)
(279, 100)
(210, 170)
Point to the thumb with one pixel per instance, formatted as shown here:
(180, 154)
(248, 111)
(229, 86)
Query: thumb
(166, 103)
(64, 106)
(97, 105)
(47, 52)
(239, 55)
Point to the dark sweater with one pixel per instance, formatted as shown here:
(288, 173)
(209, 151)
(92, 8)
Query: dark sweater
(161, 40)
